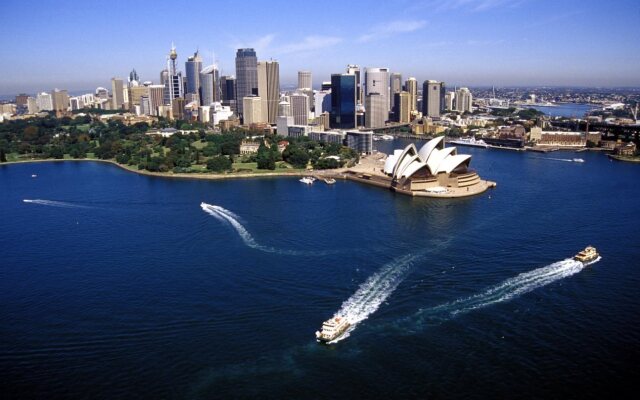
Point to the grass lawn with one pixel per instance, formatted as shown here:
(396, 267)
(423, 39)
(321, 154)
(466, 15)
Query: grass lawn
(252, 167)
(200, 144)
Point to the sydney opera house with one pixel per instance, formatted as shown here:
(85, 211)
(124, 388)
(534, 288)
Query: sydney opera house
(432, 171)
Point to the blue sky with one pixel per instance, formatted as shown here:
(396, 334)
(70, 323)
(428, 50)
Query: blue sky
(82, 44)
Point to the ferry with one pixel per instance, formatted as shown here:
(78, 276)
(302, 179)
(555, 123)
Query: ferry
(329, 181)
(332, 329)
(377, 138)
(587, 255)
(469, 141)
(308, 180)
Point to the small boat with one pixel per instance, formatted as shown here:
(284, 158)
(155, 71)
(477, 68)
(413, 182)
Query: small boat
(329, 181)
(332, 329)
(34, 175)
(578, 160)
(308, 180)
(587, 255)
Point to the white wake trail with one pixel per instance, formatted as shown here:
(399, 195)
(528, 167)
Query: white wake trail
(224, 215)
(52, 203)
(505, 291)
(374, 291)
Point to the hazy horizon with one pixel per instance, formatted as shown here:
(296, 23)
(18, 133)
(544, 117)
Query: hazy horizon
(476, 43)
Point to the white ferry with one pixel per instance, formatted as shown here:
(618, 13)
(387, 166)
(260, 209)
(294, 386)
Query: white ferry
(377, 138)
(332, 329)
(308, 180)
(587, 255)
(469, 141)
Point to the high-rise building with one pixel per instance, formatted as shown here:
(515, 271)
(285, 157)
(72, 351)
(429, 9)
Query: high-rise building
(246, 76)
(304, 80)
(299, 108)
(401, 111)
(60, 100)
(32, 105)
(252, 110)
(269, 89)
(355, 70)
(174, 87)
(395, 86)
(177, 108)
(284, 109)
(432, 98)
(377, 81)
(228, 92)
(411, 86)
(375, 110)
(192, 68)
(117, 94)
(322, 101)
(134, 79)
(449, 101)
(135, 95)
(44, 101)
(209, 85)
(463, 100)
(156, 98)
(326, 85)
(343, 101)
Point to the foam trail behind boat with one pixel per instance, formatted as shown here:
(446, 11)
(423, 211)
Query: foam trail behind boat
(222, 214)
(53, 203)
(505, 291)
(374, 291)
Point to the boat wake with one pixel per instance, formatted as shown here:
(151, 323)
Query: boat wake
(505, 291)
(374, 291)
(52, 203)
(224, 215)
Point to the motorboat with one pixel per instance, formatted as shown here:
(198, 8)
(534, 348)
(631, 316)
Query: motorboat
(332, 329)
(578, 160)
(329, 181)
(308, 180)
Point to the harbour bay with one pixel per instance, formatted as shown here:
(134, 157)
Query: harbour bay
(117, 285)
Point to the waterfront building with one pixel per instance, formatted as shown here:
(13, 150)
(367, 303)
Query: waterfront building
(360, 141)
(44, 101)
(562, 139)
(375, 110)
(395, 86)
(463, 100)
(246, 76)
(328, 136)
(117, 94)
(269, 89)
(209, 85)
(299, 108)
(377, 81)
(432, 98)
(343, 101)
(192, 68)
(402, 112)
(355, 70)
(304, 80)
(411, 86)
(252, 110)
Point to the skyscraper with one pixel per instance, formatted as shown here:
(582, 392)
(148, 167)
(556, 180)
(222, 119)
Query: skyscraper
(252, 110)
(401, 111)
(432, 98)
(133, 79)
(411, 86)
(299, 108)
(60, 100)
(395, 86)
(246, 75)
(209, 85)
(228, 91)
(192, 68)
(377, 81)
(269, 89)
(463, 100)
(375, 110)
(355, 70)
(117, 96)
(44, 101)
(156, 98)
(343, 101)
(304, 80)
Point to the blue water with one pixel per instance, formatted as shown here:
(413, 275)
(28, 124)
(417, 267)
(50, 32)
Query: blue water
(569, 110)
(116, 285)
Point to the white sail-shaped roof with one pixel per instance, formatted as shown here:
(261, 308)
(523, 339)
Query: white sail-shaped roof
(437, 156)
(402, 159)
(425, 151)
(452, 162)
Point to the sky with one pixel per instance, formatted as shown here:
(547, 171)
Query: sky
(78, 45)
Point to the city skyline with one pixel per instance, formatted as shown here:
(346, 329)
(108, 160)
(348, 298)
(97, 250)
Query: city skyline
(77, 46)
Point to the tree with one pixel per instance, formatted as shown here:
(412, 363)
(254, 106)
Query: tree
(219, 164)
(295, 156)
(3, 156)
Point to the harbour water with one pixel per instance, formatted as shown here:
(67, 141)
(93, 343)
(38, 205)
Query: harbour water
(569, 110)
(117, 285)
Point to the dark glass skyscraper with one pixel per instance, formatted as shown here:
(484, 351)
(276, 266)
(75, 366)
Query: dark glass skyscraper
(193, 66)
(343, 101)
(246, 75)
(228, 90)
